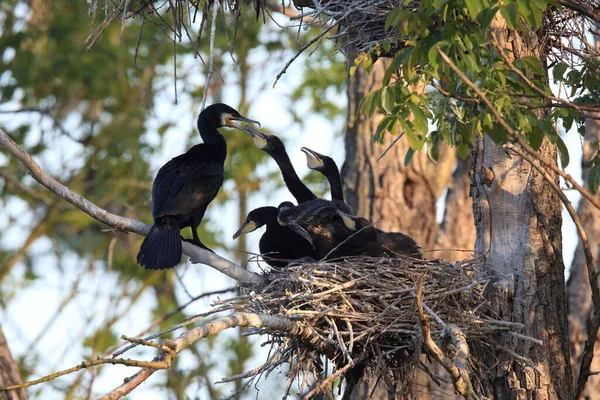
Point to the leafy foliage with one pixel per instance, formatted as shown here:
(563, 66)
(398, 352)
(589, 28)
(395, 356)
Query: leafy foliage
(462, 29)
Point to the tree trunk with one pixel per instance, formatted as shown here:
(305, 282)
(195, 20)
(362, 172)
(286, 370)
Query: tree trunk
(9, 372)
(579, 293)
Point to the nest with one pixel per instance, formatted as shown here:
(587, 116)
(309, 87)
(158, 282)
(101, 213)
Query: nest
(370, 312)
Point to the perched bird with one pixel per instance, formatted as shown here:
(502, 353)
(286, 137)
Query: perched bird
(322, 223)
(274, 147)
(184, 187)
(279, 244)
(326, 166)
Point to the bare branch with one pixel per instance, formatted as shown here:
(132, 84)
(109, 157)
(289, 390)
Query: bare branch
(580, 8)
(197, 254)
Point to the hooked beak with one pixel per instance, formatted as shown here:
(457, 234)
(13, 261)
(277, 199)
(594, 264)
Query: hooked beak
(259, 138)
(247, 227)
(230, 121)
(314, 160)
(348, 220)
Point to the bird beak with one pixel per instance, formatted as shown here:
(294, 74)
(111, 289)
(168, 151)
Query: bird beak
(314, 160)
(348, 220)
(247, 227)
(259, 138)
(232, 118)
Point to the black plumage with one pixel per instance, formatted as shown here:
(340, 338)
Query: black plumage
(184, 187)
(319, 221)
(326, 166)
(273, 146)
(377, 243)
(278, 244)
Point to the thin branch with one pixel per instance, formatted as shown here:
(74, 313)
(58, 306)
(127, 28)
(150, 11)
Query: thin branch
(519, 138)
(197, 254)
(270, 322)
(211, 55)
(580, 8)
(584, 109)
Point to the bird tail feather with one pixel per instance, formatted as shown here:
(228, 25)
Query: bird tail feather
(161, 249)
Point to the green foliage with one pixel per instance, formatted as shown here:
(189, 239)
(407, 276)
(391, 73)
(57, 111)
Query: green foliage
(461, 30)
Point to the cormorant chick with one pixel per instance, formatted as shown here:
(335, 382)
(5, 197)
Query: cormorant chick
(326, 166)
(184, 187)
(274, 147)
(279, 243)
(322, 223)
(377, 243)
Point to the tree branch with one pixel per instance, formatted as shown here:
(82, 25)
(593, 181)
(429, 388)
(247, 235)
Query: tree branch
(186, 339)
(580, 8)
(197, 254)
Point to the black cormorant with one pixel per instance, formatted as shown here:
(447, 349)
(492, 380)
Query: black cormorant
(273, 146)
(327, 166)
(323, 223)
(184, 187)
(278, 243)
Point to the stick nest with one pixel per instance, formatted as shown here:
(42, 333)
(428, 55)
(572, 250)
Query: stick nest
(365, 311)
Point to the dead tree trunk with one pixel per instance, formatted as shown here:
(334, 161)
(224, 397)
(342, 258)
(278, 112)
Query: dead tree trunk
(579, 293)
(9, 372)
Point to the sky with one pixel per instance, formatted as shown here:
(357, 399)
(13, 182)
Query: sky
(32, 311)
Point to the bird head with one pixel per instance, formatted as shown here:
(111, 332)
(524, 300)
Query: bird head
(317, 161)
(221, 114)
(264, 141)
(255, 219)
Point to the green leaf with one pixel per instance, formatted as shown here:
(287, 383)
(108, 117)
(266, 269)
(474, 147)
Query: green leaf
(563, 152)
(509, 12)
(559, 70)
(433, 147)
(534, 63)
(594, 179)
(388, 99)
(535, 138)
(382, 127)
(548, 129)
(400, 58)
(486, 17)
(409, 156)
(463, 151)
(420, 120)
(474, 7)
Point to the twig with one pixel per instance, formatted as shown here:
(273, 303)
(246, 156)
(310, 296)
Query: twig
(119, 223)
(393, 142)
(211, 60)
(548, 163)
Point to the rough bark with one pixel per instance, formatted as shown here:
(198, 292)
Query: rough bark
(578, 287)
(9, 372)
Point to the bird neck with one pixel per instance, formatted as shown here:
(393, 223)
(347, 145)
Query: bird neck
(335, 183)
(293, 182)
(212, 137)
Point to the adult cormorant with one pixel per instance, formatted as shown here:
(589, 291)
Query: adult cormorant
(323, 223)
(184, 187)
(327, 166)
(274, 147)
(278, 244)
